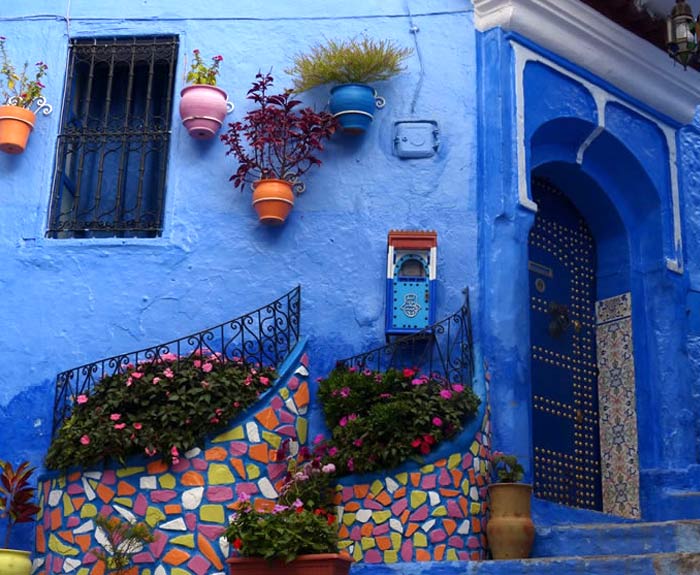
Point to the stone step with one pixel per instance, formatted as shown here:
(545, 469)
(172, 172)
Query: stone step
(676, 504)
(618, 539)
(652, 564)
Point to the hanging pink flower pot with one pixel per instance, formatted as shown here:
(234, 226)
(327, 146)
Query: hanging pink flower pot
(203, 109)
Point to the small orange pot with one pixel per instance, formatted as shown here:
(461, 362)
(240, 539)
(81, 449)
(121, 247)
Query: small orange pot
(273, 200)
(15, 126)
(510, 530)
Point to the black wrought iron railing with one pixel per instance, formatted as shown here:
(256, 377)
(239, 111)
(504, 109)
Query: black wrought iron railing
(444, 348)
(266, 336)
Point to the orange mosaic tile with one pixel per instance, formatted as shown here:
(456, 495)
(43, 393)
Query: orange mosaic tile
(404, 516)
(301, 397)
(415, 479)
(173, 509)
(449, 526)
(208, 551)
(215, 454)
(157, 467)
(476, 525)
(463, 504)
(98, 569)
(472, 477)
(104, 493)
(267, 418)
(411, 528)
(259, 452)
(456, 476)
(338, 498)
(343, 532)
(367, 529)
(439, 553)
(440, 463)
(360, 491)
(423, 555)
(56, 519)
(383, 543)
(475, 556)
(480, 480)
(40, 541)
(239, 466)
(75, 476)
(449, 492)
(263, 505)
(383, 498)
(125, 489)
(351, 506)
(77, 502)
(176, 557)
(84, 542)
(67, 536)
(192, 479)
(399, 493)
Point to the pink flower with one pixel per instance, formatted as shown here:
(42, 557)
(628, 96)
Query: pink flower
(115, 416)
(137, 426)
(458, 388)
(205, 384)
(243, 497)
(207, 367)
(85, 440)
(343, 421)
(357, 442)
(129, 382)
(345, 392)
(352, 369)
(408, 372)
(385, 395)
(169, 373)
(156, 380)
(418, 381)
(352, 417)
(264, 380)
(351, 464)
(437, 422)
(119, 425)
(197, 363)
(445, 394)
(137, 375)
(298, 503)
(82, 399)
(328, 468)
(332, 451)
(318, 439)
(150, 451)
(174, 452)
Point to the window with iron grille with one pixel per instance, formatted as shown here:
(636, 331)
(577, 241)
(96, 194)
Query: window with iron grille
(113, 144)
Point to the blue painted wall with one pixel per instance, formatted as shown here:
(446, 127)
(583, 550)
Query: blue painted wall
(67, 302)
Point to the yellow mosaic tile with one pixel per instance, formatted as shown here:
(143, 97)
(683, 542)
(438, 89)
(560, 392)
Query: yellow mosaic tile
(439, 511)
(252, 471)
(452, 555)
(167, 481)
(427, 468)
(418, 498)
(348, 519)
(67, 505)
(402, 478)
(302, 429)
(368, 543)
(357, 553)
(57, 546)
(212, 513)
(88, 510)
(420, 539)
(284, 393)
(154, 516)
(184, 540)
(220, 474)
(475, 508)
(127, 471)
(376, 487)
(391, 556)
(474, 448)
(396, 540)
(380, 517)
(231, 435)
(123, 501)
(272, 438)
(454, 460)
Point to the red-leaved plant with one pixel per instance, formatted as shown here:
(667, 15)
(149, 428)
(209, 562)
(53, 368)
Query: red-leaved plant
(281, 139)
(16, 495)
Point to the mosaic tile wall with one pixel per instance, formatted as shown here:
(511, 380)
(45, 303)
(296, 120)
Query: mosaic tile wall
(617, 407)
(434, 513)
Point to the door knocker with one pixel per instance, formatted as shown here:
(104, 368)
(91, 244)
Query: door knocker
(560, 319)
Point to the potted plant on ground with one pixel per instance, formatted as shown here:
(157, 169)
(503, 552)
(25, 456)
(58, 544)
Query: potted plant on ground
(510, 529)
(352, 65)
(281, 143)
(203, 105)
(16, 506)
(295, 535)
(18, 92)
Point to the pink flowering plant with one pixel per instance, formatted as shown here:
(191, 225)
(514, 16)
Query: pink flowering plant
(201, 73)
(300, 522)
(18, 88)
(380, 419)
(157, 408)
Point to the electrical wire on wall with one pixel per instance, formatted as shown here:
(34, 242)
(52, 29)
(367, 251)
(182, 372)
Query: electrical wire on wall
(414, 30)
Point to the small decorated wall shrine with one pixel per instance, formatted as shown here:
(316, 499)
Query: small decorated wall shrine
(435, 511)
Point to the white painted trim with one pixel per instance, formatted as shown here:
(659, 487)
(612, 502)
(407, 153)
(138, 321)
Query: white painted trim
(602, 98)
(432, 269)
(573, 30)
(390, 263)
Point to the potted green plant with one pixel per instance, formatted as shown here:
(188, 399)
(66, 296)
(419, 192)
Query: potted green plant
(16, 506)
(19, 92)
(351, 65)
(275, 144)
(510, 529)
(294, 535)
(203, 105)
(122, 540)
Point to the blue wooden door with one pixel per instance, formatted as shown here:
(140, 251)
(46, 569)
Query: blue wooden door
(561, 271)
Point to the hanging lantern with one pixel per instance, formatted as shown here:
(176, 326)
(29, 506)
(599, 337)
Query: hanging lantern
(681, 33)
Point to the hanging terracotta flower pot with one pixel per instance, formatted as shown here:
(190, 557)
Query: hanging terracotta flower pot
(203, 109)
(510, 529)
(16, 124)
(272, 200)
(318, 564)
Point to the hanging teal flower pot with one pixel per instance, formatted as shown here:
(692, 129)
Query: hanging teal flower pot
(353, 105)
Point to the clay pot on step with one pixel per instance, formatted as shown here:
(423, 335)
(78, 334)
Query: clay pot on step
(510, 529)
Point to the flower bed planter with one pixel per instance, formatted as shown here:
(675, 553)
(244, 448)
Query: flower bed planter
(320, 564)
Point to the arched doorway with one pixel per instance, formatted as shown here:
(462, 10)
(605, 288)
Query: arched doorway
(564, 380)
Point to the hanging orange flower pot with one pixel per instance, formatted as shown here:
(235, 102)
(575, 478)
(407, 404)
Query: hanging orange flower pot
(15, 126)
(273, 200)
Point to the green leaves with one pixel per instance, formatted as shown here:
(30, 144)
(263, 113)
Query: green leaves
(380, 419)
(353, 61)
(124, 539)
(164, 407)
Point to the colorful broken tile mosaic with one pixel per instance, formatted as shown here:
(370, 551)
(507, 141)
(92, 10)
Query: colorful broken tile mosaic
(436, 512)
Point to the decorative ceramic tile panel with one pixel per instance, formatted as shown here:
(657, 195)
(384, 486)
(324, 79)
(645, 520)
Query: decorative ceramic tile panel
(617, 407)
